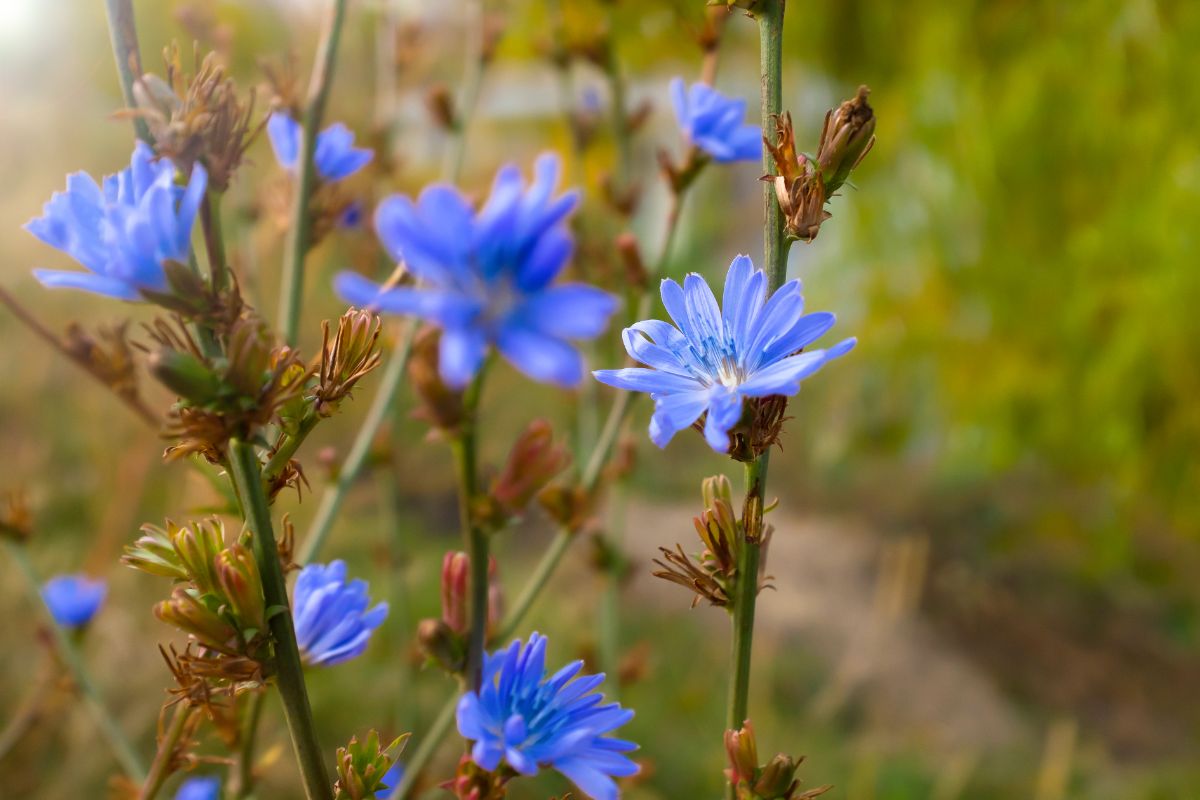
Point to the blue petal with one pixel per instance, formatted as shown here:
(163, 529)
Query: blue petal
(783, 377)
(724, 411)
(591, 781)
(541, 357)
(675, 412)
(460, 355)
(570, 311)
(640, 379)
(284, 133)
(97, 284)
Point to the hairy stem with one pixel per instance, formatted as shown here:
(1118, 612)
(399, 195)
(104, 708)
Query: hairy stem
(122, 30)
(247, 478)
(331, 500)
(161, 768)
(122, 748)
(292, 285)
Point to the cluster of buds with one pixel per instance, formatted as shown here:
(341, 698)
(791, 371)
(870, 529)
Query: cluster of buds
(804, 184)
(535, 459)
(445, 640)
(197, 118)
(472, 782)
(775, 780)
(345, 360)
(712, 576)
(255, 382)
(218, 596)
(362, 766)
(16, 522)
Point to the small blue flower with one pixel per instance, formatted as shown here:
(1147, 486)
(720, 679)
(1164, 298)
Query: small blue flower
(73, 599)
(714, 122)
(336, 157)
(206, 788)
(331, 617)
(124, 231)
(391, 779)
(713, 358)
(488, 276)
(530, 721)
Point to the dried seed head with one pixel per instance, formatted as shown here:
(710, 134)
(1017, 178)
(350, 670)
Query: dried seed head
(847, 137)
(346, 359)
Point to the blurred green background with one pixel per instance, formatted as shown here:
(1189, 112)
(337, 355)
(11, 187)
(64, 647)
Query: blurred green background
(986, 553)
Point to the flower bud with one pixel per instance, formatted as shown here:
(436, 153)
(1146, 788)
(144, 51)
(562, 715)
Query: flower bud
(441, 406)
(239, 581)
(154, 553)
(533, 461)
(441, 644)
(362, 766)
(186, 375)
(198, 545)
(16, 523)
(778, 779)
(456, 573)
(742, 751)
(569, 506)
(847, 137)
(716, 488)
(347, 358)
(188, 612)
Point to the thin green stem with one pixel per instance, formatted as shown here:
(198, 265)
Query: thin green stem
(620, 119)
(474, 534)
(287, 448)
(242, 770)
(331, 500)
(247, 478)
(769, 14)
(214, 240)
(161, 768)
(122, 30)
(429, 745)
(122, 748)
(536, 582)
(292, 285)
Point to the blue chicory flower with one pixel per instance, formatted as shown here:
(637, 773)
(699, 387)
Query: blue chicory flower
(391, 779)
(488, 276)
(530, 721)
(714, 357)
(715, 123)
(335, 158)
(123, 231)
(73, 599)
(205, 788)
(331, 617)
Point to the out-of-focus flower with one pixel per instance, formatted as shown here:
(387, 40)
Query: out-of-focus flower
(335, 157)
(715, 123)
(713, 359)
(488, 276)
(123, 231)
(391, 779)
(73, 599)
(205, 788)
(333, 623)
(531, 721)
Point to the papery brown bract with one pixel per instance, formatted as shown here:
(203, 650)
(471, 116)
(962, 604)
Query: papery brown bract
(352, 353)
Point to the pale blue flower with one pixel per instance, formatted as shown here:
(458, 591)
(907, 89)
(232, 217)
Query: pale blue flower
(391, 779)
(715, 357)
(123, 231)
(333, 623)
(715, 123)
(205, 788)
(528, 720)
(488, 276)
(73, 599)
(335, 157)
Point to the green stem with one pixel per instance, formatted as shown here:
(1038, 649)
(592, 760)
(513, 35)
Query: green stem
(620, 120)
(161, 768)
(331, 500)
(769, 14)
(287, 448)
(243, 767)
(292, 285)
(122, 30)
(746, 593)
(247, 478)
(214, 240)
(130, 761)
(474, 534)
(429, 745)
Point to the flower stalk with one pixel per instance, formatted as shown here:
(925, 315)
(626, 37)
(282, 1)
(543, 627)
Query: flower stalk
(122, 30)
(292, 285)
(122, 748)
(476, 537)
(161, 768)
(247, 478)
